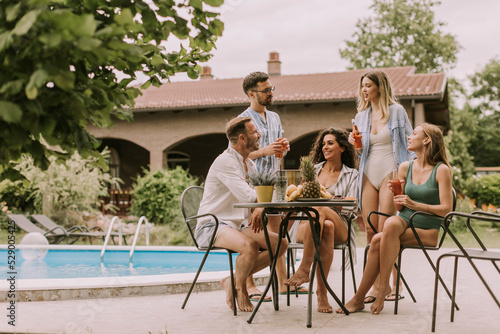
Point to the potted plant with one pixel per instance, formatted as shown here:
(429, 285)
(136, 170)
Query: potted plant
(263, 184)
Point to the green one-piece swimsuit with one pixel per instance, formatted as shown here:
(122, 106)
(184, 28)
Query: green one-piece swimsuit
(427, 193)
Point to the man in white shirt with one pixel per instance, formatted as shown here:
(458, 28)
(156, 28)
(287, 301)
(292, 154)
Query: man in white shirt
(225, 186)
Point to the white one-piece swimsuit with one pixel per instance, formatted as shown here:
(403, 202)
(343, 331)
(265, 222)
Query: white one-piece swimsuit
(380, 161)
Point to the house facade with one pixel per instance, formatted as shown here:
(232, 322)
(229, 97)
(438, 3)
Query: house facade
(182, 123)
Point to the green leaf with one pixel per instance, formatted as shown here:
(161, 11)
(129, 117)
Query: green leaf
(84, 25)
(173, 57)
(125, 17)
(12, 87)
(216, 27)
(196, 4)
(31, 92)
(52, 40)
(157, 60)
(64, 79)
(214, 3)
(192, 74)
(5, 40)
(12, 12)
(37, 79)
(87, 43)
(26, 22)
(10, 112)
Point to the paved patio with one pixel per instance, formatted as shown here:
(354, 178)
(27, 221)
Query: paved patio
(207, 312)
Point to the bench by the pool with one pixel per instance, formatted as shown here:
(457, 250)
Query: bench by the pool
(78, 231)
(53, 236)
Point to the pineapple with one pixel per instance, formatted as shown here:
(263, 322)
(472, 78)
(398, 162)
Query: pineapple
(312, 188)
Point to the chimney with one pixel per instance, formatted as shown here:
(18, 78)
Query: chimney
(274, 64)
(206, 74)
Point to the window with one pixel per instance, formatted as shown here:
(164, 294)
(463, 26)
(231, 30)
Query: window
(175, 159)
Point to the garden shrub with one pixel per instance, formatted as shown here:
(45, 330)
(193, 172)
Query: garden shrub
(485, 189)
(72, 186)
(17, 196)
(157, 195)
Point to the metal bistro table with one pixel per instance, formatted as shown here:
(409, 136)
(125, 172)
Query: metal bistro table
(292, 211)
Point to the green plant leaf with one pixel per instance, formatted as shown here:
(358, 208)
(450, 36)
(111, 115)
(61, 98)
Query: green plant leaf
(26, 22)
(10, 112)
(64, 79)
(214, 3)
(5, 40)
(12, 12)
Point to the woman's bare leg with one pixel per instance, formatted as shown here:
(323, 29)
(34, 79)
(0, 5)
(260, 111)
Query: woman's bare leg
(390, 244)
(369, 203)
(326, 253)
(371, 273)
(387, 206)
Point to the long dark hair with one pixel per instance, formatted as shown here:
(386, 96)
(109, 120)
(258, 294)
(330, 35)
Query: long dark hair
(347, 157)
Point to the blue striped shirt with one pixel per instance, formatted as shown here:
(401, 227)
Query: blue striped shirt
(270, 130)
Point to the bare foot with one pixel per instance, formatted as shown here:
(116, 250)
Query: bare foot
(323, 305)
(352, 306)
(244, 303)
(297, 279)
(226, 285)
(378, 304)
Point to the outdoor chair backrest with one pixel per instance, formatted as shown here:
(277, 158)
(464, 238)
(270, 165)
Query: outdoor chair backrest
(47, 223)
(190, 203)
(446, 222)
(25, 224)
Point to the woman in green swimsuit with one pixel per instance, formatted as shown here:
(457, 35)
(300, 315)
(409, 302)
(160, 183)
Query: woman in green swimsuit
(427, 186)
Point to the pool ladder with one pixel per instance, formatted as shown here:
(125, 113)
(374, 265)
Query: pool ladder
(136, 236)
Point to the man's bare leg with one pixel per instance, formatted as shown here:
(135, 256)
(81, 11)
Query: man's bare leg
(251, 260)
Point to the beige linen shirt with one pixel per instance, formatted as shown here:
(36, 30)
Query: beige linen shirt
(225, 186)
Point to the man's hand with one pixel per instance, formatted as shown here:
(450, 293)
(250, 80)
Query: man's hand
(255, 220)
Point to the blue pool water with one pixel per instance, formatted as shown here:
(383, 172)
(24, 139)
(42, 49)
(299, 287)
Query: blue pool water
(87, 263)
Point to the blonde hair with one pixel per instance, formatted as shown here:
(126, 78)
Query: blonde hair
(436, 151)
(381, 80)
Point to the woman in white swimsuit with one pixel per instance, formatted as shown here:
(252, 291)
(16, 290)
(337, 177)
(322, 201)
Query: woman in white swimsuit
(384, 125)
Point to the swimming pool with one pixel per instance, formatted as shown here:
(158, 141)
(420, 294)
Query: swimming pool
(155, 270)
(84, 262)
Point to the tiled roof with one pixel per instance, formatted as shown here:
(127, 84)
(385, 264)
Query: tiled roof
(301, 88)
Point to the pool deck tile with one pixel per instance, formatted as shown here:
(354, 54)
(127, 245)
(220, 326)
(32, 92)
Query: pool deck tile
(206, 312)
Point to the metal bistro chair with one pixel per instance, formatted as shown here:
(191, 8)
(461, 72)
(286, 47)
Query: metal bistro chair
(346, 250)
(421, 246)
(470, 254)
(190, 203)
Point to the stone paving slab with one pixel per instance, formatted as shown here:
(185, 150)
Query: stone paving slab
(206, 312)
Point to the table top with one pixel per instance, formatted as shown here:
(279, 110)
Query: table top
(299, 204)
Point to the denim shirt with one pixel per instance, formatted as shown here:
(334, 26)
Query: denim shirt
(399, 127)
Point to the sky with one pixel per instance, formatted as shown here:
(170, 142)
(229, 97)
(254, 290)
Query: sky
(308, 34)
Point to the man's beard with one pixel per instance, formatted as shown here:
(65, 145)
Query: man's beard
(265, 102)
(251, 145)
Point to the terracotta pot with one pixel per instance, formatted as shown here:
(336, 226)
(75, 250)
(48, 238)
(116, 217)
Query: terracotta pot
(264, 193)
